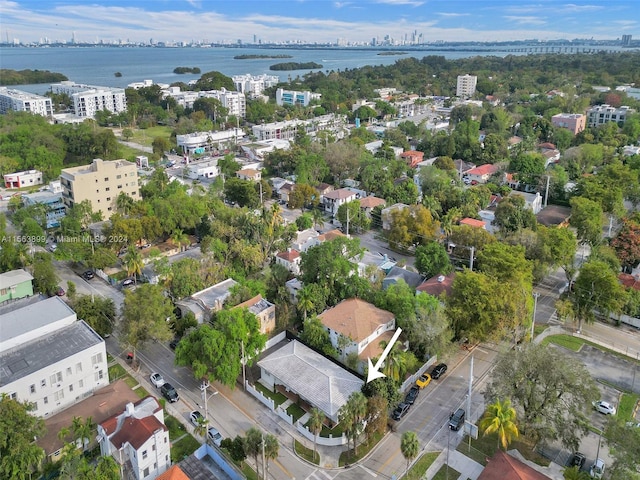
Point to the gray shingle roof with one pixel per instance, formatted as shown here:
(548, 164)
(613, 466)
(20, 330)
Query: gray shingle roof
(316, 379)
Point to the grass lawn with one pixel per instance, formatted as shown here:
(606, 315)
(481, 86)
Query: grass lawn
(307, 453)
(141, 392)
(627, 404)
(249, 472)
(442, 473)
(128, 153)
(326, 431)
(538, 329)
(364, 448)
(183, 448)
(145, 136)
(295, 411)
(566, 341)
(418, 469)
(278, 398)
(116, 371)
(132, 382)
(485, 446)
(176, 429)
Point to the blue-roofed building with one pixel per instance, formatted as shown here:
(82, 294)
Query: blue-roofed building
(53, 202)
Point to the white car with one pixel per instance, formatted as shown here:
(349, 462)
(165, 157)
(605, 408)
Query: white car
(214, 436)
(156, 379)
(604, 407)
(196, 417)
(597, 469)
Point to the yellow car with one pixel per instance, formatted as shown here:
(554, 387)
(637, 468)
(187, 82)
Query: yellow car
(424, 380)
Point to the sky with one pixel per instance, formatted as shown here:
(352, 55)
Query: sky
(312, 21)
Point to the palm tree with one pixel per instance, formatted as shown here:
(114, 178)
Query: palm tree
(316, 420)
(357, 404)
(271, 449)
(305, 302)
(179, 238)
(409, 446)
(253, 445)
(133, 262)
(500, 417)
(395, 365)
(201, 427)
(574, 473)
(318, 217)
(82, 430)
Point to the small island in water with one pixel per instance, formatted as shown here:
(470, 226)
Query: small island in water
(118, 74)
(295, 66)
(392, 53)
(25, 77)
(181, 70)
(253, 57)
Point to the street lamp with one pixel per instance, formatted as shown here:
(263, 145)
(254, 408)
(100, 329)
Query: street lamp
(535, 305)
(205, 399)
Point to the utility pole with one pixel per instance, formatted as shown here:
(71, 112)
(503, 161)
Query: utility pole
(203, 388)
(347, 220)
(244, 375)
(468, 416)
(610, 225)
(546, 194)
(535, 305)
(264, 470)
(471, 259)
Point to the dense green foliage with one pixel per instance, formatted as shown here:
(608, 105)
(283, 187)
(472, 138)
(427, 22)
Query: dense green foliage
(27, 77)
(186, 70)
(253, 57)
(295, 66)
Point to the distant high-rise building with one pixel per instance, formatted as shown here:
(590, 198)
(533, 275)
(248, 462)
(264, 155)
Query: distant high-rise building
(466, 85)
(626, 40)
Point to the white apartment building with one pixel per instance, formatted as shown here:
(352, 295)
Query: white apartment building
(137, 439)
(254, 85)
(49, 358)
(100, 183)
(19, 101)
(466, 85)
(208, 168)
(287, 130)
(201, 142)
(27, 178)
(601, 114)
(88, 99)
(293, 97)
(235, 102)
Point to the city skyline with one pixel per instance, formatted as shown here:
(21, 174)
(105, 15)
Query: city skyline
(396, 22)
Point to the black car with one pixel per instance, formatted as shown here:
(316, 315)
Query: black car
(456, 419)
(88, 275)
(577, 460)
(438, 371)
(412, 394)
(174, 343)
(169, 392)
(400, 411)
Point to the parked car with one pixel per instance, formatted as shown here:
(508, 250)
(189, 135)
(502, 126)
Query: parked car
(127, 282)
(88, 275)
(597, 469)
(456, 419)
(577, 460)
(60, 292)
(174, 343)
(214, 435)
(400, 411)
(438, 371)
(604, 407)
(169, 392)
(424, 380)
(412, 394)
(196, 417)
(156, 379)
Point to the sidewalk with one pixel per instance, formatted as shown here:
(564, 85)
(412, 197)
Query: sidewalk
(468, 468)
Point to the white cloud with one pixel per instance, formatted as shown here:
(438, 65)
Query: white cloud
(451, 14)
(525, 20)
(413, 3)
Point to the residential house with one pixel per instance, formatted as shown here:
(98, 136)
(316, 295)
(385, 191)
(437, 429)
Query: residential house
(48, 357)
(323, 189)
(206, 463)
(53, 204)
(574, 122)
(550, 153)
(331, 201)
(210, 300)
(397, 274)
(438, 285)
(412, 157)
(381, 263)
(290, 259)
(472, 222)
(463, 167)
(369, 203)
(513, 141)
(387, 214)
(257, 150)
(284, 192)
(482, 174)
(358, 327)
(15, 284)
(104, 403)
(293, 286)
(503, 466)
(137, 439)
(305, 239)
(310, 377)
(532, 201)
(630, 150)
(330, 235)
(264, 310)
(554, 215)
(249, 174)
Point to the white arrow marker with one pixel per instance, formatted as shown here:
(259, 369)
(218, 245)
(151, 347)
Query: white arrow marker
(374, 371)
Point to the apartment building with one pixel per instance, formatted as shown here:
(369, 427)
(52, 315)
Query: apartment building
(48, 357)
(89, 99)
(264, 310)
(15, 284)
(254, 85)
(201, 142)
(466, 85)
(27, 178)
(100, 182)
(293, 97)
(19, 101)
(287, 130)
(574, 122)
(234, 102)
(137, 439)
(55, 209)
(601, 114)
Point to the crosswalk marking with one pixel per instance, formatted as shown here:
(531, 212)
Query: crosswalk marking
(319, 475)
